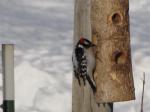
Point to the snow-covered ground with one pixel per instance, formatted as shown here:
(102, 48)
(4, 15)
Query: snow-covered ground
(42, 31)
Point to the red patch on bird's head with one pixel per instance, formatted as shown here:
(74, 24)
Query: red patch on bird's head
(81, 40)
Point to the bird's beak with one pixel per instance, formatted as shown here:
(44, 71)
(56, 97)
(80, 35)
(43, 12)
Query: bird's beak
(93, 45)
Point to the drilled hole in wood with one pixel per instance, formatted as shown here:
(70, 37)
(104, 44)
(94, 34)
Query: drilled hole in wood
(116, 18)
(119, 57)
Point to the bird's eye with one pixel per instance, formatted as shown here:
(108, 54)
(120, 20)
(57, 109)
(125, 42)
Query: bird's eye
(86, 43)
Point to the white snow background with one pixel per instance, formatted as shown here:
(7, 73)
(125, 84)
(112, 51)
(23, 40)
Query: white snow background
(42, 31)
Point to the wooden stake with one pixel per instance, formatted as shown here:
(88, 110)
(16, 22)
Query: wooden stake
(142, 100)
(82, 96)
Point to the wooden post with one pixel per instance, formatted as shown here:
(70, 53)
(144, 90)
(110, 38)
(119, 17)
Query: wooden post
(8, 77)
(142, 100)
(110, 32)
(82, 96)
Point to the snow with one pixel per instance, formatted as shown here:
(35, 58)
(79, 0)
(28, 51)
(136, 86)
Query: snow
(42, 31)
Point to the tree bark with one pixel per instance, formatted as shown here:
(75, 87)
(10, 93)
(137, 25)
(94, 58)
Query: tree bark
(110, 31)
(82, 96)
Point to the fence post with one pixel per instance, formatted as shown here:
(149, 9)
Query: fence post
(8, 77)
(82, 96)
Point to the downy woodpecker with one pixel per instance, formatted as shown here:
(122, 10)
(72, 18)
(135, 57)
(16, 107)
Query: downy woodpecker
(83, 62)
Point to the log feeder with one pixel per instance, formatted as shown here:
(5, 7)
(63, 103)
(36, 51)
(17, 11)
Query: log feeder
(110, 32)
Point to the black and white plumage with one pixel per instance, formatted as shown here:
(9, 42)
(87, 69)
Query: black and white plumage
(83, 62)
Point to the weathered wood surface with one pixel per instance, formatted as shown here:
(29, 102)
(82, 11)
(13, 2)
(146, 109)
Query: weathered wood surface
(82, 96)
(110, 31)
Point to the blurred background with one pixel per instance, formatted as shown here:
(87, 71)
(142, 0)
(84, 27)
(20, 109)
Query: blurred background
(42, 31)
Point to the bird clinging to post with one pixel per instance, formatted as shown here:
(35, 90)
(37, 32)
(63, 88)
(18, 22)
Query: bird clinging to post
(83, 62)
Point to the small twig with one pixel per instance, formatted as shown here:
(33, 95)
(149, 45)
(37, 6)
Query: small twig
(143, 92)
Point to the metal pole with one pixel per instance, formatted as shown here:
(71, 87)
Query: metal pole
(8, 77)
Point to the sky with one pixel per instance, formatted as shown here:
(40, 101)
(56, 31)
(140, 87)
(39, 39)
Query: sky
(42, 31)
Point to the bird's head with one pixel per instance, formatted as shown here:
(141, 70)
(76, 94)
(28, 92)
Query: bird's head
(85, 43)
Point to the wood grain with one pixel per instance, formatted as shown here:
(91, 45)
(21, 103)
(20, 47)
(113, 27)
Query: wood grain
(110, 29)
(83, 99)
